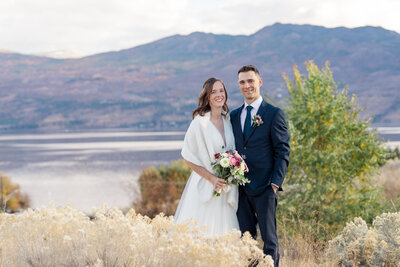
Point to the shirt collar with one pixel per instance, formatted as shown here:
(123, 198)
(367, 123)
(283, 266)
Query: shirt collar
(256, 103)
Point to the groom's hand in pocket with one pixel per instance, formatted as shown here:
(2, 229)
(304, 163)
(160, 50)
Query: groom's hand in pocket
(275, 188)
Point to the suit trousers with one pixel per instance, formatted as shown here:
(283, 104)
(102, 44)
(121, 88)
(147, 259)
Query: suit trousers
(260, 209)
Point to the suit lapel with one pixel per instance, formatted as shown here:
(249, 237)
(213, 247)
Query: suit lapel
(239, 124)
(260, 112)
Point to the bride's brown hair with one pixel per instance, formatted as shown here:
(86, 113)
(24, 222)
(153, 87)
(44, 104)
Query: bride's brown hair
(204, 98)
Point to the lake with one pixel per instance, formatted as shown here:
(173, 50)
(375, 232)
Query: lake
(90, 169)
(84, 169)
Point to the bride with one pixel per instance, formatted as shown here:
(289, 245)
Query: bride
(210, 132)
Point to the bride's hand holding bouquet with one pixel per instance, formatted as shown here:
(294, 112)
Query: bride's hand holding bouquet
(229, 166)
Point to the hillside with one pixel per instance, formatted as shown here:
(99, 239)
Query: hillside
(156, 85)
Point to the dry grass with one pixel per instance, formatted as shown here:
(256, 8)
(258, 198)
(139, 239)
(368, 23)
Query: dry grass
(389, 178)
(300, 251)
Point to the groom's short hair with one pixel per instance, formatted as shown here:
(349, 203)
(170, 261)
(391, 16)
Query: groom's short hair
(249, 68)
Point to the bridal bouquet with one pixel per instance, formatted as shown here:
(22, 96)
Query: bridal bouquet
(231, 167)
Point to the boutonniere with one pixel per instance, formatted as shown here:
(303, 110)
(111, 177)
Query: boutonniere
(256, 121)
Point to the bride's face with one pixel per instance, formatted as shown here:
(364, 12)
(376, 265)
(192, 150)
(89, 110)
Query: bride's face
(217, 96)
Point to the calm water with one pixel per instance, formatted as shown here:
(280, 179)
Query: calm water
(84, 169)
(92, 169)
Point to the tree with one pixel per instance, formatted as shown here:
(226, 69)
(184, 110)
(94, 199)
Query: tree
(10, 196)
(333, 153)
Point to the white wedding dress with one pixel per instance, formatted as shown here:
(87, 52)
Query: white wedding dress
(217, 214)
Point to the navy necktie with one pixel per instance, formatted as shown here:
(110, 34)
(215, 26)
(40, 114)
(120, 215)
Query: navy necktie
(247, 122)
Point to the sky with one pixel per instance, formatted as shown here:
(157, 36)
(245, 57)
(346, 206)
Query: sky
(85, 27)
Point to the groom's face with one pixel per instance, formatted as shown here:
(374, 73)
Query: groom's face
(249, 84)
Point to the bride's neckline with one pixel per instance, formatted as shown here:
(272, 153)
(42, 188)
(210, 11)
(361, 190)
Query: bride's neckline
(222, 134)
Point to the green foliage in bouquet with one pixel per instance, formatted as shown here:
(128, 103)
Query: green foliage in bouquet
(333, 154)
(161, 188)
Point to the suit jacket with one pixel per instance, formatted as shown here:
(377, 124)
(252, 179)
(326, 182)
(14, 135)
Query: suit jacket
(265, 150)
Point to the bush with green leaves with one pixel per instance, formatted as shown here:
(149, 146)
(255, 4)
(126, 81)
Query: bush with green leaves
(393, 153)
(333, 154)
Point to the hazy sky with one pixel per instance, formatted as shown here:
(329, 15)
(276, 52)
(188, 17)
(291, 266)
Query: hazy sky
(93, 26)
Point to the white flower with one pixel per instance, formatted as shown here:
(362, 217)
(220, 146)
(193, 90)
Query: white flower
(224, 162)
(242, 166)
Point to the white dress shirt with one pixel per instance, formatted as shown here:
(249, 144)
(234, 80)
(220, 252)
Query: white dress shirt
(256, 105)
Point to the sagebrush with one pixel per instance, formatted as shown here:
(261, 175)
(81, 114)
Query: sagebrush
(52, 236)
(360, 245)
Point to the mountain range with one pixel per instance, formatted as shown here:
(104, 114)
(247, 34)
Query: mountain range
(155, 86)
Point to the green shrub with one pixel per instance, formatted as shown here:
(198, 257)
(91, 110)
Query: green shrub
(333, 154)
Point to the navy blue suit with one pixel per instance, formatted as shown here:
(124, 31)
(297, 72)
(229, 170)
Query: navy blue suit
(266, 153)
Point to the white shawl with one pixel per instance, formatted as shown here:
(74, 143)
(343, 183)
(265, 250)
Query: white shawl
(202, 141)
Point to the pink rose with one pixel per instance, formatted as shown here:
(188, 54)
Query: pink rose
(233, 161)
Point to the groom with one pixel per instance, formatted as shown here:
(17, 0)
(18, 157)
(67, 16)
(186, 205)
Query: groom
(261, 136)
